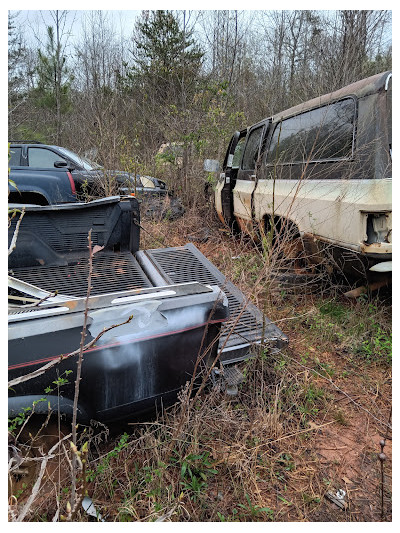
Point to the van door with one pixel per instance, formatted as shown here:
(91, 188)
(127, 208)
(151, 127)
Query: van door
(228, 177)
(225, 186)
(246, 175)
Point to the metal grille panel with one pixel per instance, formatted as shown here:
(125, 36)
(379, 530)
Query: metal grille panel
(179, 265)
(111, 272)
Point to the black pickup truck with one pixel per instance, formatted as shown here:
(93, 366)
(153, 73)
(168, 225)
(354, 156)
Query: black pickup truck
(47, 174)
(170, 307)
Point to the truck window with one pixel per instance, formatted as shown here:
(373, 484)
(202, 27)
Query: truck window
(251, 150)
(15, 156)
(43, 158)
(322, 134)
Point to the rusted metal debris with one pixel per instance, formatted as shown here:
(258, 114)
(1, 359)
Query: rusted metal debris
(355, 293)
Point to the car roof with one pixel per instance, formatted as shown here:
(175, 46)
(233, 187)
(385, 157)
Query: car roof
(33, 143)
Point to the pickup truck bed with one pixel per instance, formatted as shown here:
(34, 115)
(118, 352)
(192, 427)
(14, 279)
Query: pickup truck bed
(52, 254)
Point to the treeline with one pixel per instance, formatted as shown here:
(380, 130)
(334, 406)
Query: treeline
(183, 79)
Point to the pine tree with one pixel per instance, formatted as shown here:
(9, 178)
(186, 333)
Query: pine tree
(52, 90)
(167, 60)
(16, 59)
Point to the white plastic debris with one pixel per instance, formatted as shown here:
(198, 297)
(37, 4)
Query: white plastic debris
(91, 510)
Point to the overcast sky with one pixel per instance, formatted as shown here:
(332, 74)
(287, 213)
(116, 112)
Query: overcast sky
(38, 20)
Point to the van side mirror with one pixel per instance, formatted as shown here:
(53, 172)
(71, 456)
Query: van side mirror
(211, 165)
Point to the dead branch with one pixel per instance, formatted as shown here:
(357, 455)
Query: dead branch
(79, 371)
(13, 243)
(38, 482)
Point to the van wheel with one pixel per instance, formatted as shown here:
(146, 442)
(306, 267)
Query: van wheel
(286, 247)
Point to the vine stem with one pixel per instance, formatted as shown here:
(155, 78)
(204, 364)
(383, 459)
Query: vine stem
(79, 370)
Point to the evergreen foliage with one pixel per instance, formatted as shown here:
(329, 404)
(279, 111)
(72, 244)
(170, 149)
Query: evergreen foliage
(167, 59)
(53, 76)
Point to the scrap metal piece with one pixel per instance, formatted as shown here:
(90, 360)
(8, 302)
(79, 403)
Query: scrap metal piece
(338, 498)
(230, 379)
(247, 325)
(36, 292)
(385, 266)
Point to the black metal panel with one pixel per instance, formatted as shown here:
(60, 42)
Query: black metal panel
(52, 235)
(125, 372)
(246, 325)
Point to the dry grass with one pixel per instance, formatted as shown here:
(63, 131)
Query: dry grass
(306, 421)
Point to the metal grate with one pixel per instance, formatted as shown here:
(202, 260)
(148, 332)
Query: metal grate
(179, 265)
(111, 272)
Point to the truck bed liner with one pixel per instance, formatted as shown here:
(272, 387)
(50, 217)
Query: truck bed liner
(111, 272)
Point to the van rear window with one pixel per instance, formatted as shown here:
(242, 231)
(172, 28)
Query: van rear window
(325, 133)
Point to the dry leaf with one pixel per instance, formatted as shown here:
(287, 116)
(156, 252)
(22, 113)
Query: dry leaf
(96, 249)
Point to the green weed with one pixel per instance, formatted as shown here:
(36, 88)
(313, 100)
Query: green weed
(308, 499)
(251, 264)
(59, 382)
(255, 511)
(363, 328)
(21, 417)
(21, 491)
(103, 466)
(194, 473)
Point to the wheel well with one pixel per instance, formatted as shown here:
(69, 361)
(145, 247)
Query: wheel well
(282, 227)
(27, 198)
(42, 405)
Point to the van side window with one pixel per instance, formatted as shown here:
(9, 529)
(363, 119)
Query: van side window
(251, 151)
(238, 152)
(322, 134)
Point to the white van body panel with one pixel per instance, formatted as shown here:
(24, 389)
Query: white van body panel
(218, 197)
(242, 195)
(334, 210)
